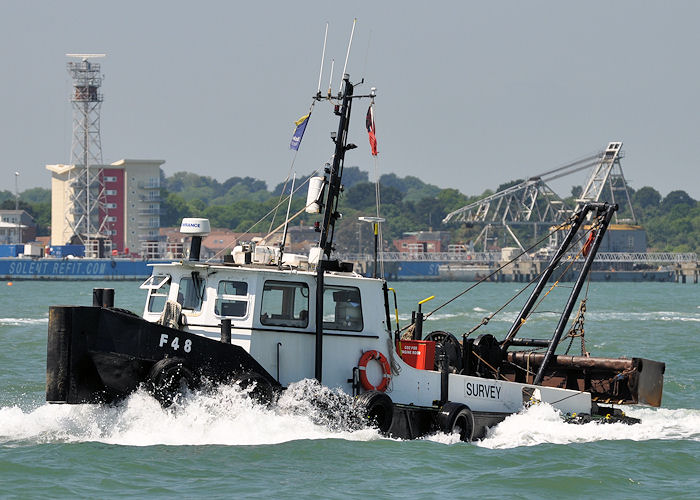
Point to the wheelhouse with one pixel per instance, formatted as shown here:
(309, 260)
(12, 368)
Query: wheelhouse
(272, 312)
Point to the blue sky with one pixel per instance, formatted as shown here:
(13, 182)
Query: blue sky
(470, 94)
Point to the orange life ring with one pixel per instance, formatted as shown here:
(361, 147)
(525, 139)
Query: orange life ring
(386, 369)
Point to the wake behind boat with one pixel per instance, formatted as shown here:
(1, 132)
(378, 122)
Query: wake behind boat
(266, 319)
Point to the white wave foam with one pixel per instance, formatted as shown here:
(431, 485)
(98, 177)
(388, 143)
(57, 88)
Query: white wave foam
(226, 416)
(678, 318)
(443, 438)
(643, 316)
(543, 424)
(509, 316)
(23, 321)
(223, 416)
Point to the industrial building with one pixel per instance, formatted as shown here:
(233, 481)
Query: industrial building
(131, 208)
(16, 227)
(107, 208)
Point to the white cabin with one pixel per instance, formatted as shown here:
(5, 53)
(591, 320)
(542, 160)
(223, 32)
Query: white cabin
(272, 312)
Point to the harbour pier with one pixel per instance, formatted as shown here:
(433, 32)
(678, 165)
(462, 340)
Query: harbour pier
(497, 266)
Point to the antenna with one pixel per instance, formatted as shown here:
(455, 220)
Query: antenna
(330, 79)
(286, 220)
(347, 55)
(323, 57)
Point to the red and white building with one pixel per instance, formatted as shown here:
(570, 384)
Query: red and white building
(131, 209)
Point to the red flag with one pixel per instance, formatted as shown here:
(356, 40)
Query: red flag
(589, 243)
(371, 129)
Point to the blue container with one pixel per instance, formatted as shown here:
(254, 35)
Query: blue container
(11, 250)
(62, 251)
(408, 270)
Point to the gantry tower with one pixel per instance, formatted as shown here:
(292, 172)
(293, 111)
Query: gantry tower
(533, 202)
(86, 212)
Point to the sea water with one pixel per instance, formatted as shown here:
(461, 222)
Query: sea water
(218, 444)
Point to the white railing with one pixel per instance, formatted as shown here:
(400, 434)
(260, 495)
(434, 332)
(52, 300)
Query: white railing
(651, 257)
(492, 257)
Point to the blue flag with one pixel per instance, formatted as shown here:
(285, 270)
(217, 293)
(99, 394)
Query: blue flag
(299, 132)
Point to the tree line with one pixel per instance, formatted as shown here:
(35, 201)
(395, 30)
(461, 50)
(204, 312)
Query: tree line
(408, 204)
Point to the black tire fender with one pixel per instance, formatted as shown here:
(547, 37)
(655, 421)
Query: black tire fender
(377, 408)
(168, 378)
(261, 390)
(456, 417)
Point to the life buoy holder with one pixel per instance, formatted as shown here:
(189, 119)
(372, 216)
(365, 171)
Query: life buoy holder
(386, 371)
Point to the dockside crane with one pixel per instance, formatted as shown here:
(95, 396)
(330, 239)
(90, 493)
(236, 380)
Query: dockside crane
(533, 202)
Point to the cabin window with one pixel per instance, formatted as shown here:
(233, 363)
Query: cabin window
(342, 308)
(191, 292)
(231, 299)
(158, 287)
(285, 304)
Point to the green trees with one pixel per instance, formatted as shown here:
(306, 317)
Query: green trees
(677, 200)
(647, 198)
(408, 204)
(672, 223)
(172, 208)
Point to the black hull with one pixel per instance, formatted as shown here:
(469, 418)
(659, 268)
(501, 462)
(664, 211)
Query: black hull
(98, 355)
